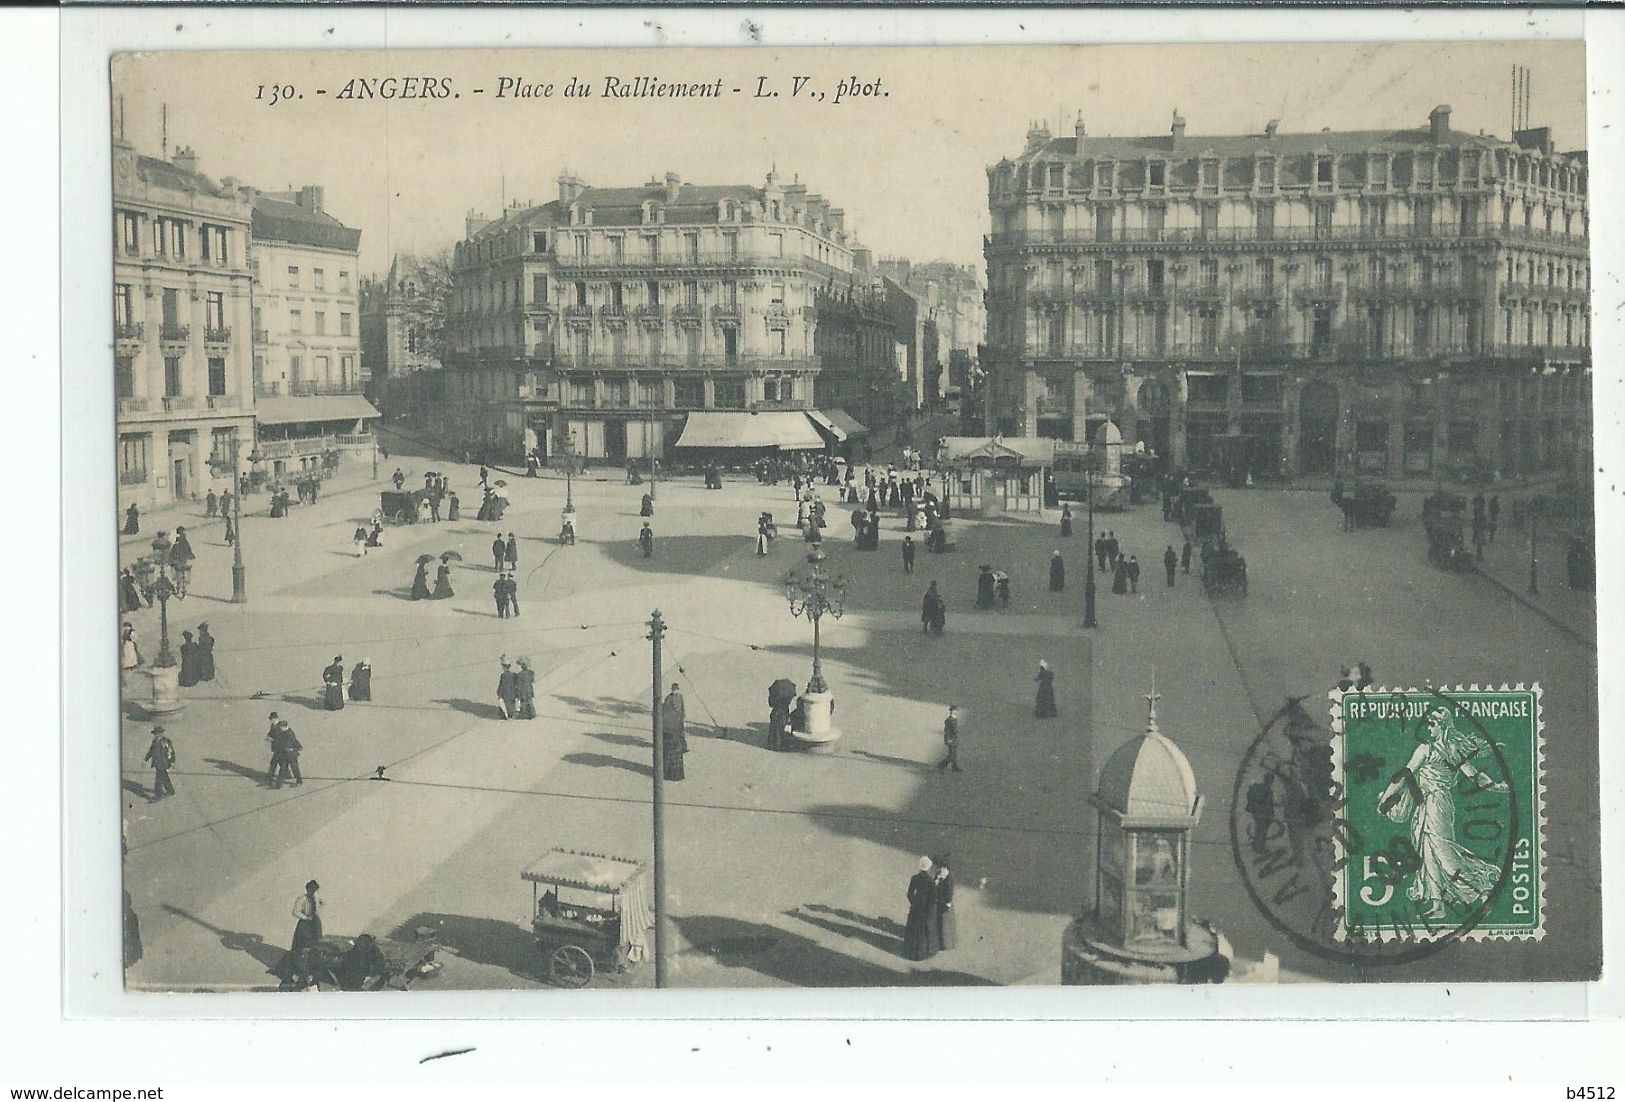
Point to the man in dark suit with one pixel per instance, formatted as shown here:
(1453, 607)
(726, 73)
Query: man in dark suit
(499, 553)
(499, 591)
(510, 586)
(950, 739)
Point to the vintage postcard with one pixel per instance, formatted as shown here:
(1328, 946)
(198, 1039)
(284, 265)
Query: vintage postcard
(854, 517)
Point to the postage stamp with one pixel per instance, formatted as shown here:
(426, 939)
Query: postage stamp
(1442, 825)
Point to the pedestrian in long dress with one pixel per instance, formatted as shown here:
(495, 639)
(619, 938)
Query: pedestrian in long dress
(333, 684)
(231, 532)
(1044, 706)
(211, 505)
(985, 587)
(674, 742)
(648, 507)
(361, 680)
(932, 611)
(129, 595)
(1170, 562)
(132, 521)
(510, 551)
(442, 582)
(454, 508)
(1066, 522)
(919, 940)
(359, 540)
(1057, 573)
(425, 514)
(161, 756)
(943, 896)
(1120, 576)
(420, 583)
(188, 675)
(646, 540)
(1185, 558)
(507, 691)
(307, 933)
(129, 649)
(524, 689)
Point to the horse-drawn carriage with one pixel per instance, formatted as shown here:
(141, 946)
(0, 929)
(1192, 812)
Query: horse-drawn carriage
(1368, 505)
(593, 914)
(1224, 570)
(1442, 517)
(1202, 522)
(401, 506)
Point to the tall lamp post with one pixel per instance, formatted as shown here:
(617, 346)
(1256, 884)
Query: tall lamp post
(239, 572)
(814, 594)
(1089, 620)
(569, 470)
(165, 697)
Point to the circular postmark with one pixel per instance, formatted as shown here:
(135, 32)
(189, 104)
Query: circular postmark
(1377, 849)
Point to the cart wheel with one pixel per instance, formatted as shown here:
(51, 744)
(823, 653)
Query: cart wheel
(570, 966)
(401, 517)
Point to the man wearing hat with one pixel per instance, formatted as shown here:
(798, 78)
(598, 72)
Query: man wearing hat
(333, 685)
(162, 756)
(674, 740)
(950, 739)
(507, 690)
(285, 747)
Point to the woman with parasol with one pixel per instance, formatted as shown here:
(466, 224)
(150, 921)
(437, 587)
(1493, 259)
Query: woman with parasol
(524, 688)
(442, 577)
(420, 582)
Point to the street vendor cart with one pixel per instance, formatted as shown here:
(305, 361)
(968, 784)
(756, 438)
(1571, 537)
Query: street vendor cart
(594, 913)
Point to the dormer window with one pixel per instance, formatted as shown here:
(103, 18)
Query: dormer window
(1159, 174)
(575, 214)
(1323, 170)
(538, 242)
(1103, 176)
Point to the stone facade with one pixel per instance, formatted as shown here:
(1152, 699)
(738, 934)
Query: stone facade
(399, 314)
(595, 322)
(182, 357)
(1406, 303)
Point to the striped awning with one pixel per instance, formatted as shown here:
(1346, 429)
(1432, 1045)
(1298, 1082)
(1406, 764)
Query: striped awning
(314, 407)
(787, 430)
(829, 426)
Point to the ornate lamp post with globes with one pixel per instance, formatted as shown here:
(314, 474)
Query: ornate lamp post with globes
(165, 673)
(814, 594)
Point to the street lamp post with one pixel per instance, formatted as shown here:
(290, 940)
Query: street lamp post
(814, 595)
(1089, 620)
(165, 695)
(239, 572)
(569, 470)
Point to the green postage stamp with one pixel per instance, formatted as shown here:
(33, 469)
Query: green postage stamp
(1442, 821)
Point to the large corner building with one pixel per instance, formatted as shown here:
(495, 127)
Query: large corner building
(605, 322)
(1397, 302)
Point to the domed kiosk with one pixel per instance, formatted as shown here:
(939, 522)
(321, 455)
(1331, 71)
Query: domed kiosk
(1140, 930)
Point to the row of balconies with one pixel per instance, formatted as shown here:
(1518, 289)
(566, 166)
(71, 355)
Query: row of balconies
(1253, 234)
(172, 333)
(180, 403)
(1295, 350)
(304, 388)
(712, 362)
(1253, 296)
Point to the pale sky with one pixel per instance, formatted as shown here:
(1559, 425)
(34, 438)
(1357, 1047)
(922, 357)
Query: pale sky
(907, 168)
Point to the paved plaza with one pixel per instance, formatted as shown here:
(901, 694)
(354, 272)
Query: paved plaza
(784, 869)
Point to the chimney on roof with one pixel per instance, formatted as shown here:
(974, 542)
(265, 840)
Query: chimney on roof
(1439, 122)
(570, 188)
(1177, 127)
(673, 183)
(310, 198)
(1077, 127)
(185, 159)
(1270, 128)
(473, 222)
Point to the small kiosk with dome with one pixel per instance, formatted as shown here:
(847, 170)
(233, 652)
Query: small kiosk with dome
(1140, 929)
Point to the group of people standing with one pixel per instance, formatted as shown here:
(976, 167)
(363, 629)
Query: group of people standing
(516, 689)
(333, 683)
(197, 656)
(931, 927)
(1125, 569)
(442, 582)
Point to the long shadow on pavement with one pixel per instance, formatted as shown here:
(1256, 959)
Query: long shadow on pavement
(258, 776)
(608, 761)
(252, 944)
(471, 707)
(482, 941)
(797, 960)
(883, 934)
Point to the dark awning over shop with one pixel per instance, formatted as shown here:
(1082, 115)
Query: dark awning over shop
(313, 408)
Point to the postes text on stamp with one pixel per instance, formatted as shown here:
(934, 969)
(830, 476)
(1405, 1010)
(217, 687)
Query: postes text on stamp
(1441, 826)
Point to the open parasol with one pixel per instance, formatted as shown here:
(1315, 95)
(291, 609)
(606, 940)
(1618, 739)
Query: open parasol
(500, 482)
(424, 560)
(451, 556)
